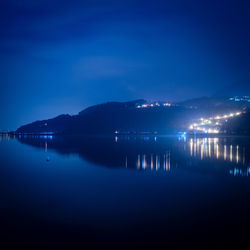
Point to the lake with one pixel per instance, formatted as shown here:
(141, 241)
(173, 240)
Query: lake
(124, 191)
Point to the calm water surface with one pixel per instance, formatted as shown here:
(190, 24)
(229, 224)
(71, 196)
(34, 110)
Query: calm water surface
(124, 192)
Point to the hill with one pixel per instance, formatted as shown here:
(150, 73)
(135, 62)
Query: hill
(135, 117)
(123, 117)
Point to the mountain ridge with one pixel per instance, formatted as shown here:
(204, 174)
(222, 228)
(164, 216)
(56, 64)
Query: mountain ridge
(136, 116)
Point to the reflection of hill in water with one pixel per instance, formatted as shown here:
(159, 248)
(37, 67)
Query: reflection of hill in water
(222, 155)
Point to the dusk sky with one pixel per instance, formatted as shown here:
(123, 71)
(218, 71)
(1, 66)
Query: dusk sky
(63, 56)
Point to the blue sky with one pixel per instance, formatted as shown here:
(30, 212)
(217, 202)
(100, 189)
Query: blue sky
(62, 56)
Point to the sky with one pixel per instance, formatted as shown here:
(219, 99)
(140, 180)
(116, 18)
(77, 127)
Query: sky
(59, 57)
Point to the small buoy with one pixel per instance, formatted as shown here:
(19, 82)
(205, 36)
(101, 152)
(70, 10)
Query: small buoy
(48, 158)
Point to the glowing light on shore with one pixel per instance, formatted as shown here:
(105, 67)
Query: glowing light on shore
(211, 125)
(155, 104)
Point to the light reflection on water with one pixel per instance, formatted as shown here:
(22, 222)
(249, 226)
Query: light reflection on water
(152, 153)
(202, 149)
(154, 162)
(211, 148)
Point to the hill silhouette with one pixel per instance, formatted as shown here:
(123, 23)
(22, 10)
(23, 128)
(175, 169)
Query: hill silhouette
(134, 117)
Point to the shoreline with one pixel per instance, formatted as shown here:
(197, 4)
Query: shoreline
(183, 134)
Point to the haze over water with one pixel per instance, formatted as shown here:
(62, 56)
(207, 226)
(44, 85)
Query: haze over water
(123, 191)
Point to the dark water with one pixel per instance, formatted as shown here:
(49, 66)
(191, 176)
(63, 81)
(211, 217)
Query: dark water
(124, 192)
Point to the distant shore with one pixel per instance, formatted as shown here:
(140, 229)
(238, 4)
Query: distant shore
(153, 134)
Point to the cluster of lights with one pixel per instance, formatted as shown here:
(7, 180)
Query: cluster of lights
(204, 130)
(211, 125)
(155, 104)
(167, 104)
(225, 116)
(240, 98)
